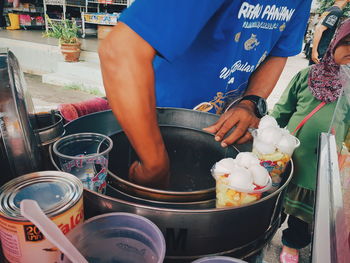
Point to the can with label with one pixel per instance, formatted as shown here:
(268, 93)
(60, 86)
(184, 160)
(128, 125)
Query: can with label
(59, 195)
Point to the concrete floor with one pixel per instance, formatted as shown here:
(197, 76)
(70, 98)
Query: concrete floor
(47, 97)
(36, 36)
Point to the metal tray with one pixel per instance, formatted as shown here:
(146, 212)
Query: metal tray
(19, 151)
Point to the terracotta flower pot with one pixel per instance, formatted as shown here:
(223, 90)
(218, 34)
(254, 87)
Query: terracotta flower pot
(71, 52)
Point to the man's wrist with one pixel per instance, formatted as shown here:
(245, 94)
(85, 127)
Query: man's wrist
(256, 103)
(248, 104)
(157, 162)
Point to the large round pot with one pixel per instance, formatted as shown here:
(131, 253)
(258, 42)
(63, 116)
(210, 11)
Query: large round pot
(195, 232)
(48, 128)
(71, 52)
(192, 152)
(191, 231)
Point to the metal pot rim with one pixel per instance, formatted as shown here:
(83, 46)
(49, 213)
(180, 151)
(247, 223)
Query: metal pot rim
(163, 202)
(57, 123)
(187, 211)
(159, 191)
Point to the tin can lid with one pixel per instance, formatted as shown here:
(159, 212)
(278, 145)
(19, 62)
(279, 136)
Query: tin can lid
(54, 191)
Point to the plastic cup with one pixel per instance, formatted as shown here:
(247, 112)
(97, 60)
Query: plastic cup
(228, 196)
(276, 162)
(118, 237)
(85, 155)
(218, 259)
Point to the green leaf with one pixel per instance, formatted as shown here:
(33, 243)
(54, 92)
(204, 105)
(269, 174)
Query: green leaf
(65, 31)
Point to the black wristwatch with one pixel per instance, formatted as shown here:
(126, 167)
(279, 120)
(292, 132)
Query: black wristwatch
(260, 104)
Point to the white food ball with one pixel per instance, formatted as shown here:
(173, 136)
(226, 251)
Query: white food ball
(263, 148)
(287, 144)
(246, 159)
(242, 179)
(285, 131)
(268, 121)
(241, 171)
(270, 135)
(260, 175)
(224, 166)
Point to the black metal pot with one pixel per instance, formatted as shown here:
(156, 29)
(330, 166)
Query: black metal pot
(192, 153)
(192, 229)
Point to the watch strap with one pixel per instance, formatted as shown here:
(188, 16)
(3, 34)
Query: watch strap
(255, 99)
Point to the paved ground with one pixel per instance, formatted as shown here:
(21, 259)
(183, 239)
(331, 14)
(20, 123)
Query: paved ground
(47, 97)
(293, 66)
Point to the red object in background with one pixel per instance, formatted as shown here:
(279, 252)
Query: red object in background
(72, 111)
(39, 20)
(25, 20)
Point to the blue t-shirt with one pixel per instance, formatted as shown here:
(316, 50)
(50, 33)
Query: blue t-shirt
(208, 49)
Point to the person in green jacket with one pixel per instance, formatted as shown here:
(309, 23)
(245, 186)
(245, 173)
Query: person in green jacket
(312, 86)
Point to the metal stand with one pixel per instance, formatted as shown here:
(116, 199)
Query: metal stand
(64, 4)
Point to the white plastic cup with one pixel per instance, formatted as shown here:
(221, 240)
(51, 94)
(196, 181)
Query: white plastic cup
(118, 237)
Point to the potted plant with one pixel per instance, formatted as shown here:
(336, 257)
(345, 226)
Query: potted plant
(66, 32)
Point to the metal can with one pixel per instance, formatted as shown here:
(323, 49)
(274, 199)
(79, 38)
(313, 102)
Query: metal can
(60, 196)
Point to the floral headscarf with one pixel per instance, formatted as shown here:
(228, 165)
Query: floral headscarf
(324, 78)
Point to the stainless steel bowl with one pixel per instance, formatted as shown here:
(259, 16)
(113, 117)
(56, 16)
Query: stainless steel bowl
(191, 230)
(192, 153)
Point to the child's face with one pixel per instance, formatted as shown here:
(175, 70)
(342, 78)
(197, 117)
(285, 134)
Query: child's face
(342, 52)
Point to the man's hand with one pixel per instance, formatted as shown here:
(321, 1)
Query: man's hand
(314, 56)
(242, 116)
(157, 177)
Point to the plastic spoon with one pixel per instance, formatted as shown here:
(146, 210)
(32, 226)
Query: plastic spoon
(31, 210)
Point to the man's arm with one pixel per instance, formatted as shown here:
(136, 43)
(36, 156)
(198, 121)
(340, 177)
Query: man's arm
(261, 83)
(316, 41)
(128, 77)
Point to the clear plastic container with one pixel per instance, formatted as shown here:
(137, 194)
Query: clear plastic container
(276, 162)
(118, 237)
(227, 195)
(85, 155)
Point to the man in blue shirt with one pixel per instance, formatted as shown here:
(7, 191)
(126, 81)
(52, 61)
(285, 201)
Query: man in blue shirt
(186, 53)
